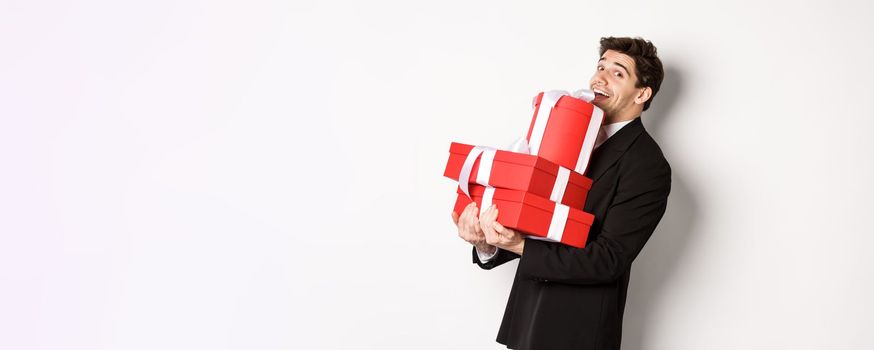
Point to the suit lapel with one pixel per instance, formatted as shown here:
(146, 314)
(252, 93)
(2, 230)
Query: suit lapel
(611, 150)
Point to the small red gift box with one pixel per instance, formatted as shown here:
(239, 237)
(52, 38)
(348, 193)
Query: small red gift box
(532, 214)
(519, 171)
(565, 131)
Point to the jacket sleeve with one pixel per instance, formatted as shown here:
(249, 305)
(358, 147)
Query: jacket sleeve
(638, 206)
(501, 257)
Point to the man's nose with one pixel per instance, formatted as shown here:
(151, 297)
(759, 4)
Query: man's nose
(598, 81)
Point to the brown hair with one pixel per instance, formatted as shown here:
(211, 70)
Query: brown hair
(647, 65)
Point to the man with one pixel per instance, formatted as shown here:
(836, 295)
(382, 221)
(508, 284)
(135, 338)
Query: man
(571, 298)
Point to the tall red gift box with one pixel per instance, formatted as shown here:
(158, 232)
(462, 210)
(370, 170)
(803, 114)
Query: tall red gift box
(563, 129)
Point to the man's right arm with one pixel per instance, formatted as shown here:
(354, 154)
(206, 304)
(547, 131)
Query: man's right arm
(485, 255)
(498, 258)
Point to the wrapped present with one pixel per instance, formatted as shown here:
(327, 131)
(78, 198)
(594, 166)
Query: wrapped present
(517, 171)
(531, 214)
(564, 128)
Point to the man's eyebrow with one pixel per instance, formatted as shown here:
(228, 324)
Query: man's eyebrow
(623, 67)
(616, 63)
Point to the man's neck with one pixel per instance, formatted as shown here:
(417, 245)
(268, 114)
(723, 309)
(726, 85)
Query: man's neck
(610, 119)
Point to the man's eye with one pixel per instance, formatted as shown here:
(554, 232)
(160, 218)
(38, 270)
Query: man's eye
(619, 74)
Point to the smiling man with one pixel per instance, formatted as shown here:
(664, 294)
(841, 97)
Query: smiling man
(574, 298)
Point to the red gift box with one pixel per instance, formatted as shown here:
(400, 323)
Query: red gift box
(531, 214)
(524, 172)
(565, 132)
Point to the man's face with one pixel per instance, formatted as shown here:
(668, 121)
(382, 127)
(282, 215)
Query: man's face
(613, 83)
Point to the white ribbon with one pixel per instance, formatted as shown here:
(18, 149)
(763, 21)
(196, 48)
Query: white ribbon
(561, 180)
(585, 95)
(482, 177)
(467, 168)
(559, 219)
(487, 199)
(520, 146)
(589, 141)
(485, 165)
(556, 225)
(547, 102)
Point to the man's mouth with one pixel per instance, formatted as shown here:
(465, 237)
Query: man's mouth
(600, 95)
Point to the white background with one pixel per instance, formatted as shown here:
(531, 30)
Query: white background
(268, 175)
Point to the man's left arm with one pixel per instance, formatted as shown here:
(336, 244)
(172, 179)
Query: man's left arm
(638, 207)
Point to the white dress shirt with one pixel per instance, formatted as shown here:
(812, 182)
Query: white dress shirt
(605, 133)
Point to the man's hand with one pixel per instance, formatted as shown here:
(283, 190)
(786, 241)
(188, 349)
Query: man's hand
(469, 229)
(498, 235)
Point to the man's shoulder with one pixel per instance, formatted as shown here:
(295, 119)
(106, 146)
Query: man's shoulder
(645, 153)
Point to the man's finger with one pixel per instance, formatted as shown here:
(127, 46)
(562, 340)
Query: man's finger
(472, 206)
(476, 226)
(486, 223)
(472, 221)
(484, 218)
(498, 227)
(488, 234)
(490, 214)
(484, 213)
(490, 219)
(502, 231)
(472, 209)
(463, 221)
(495, 223)
(467, 215)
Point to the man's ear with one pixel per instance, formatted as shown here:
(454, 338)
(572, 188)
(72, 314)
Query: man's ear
(643, 95)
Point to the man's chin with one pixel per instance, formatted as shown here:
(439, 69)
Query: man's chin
(600, 105)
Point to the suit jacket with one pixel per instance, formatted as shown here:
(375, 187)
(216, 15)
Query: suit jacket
(572, 298)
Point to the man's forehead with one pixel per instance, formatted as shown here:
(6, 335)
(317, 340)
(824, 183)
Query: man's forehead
(621, 59)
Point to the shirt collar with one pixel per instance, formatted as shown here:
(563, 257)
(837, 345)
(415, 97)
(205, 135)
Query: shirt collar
(609, 130)
(612, 129)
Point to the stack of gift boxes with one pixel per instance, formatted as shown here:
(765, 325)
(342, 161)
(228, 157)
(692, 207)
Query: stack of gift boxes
(538, 185)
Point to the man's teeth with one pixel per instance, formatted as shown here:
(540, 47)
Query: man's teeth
(601, 93)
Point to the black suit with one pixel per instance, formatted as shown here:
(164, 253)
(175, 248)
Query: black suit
(571, 298)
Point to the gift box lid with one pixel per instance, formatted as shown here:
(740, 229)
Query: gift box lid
(509, 157)
(570, 102)
(531, 200)
(536, 162)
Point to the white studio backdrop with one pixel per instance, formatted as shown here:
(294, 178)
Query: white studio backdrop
(268, 174)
